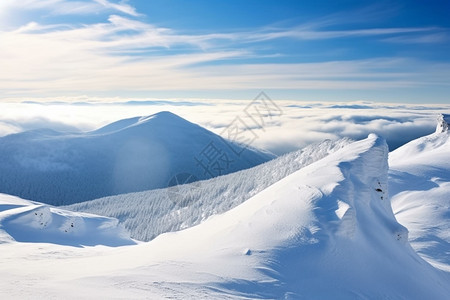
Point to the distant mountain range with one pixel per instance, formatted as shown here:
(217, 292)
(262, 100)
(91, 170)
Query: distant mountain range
(129, 155)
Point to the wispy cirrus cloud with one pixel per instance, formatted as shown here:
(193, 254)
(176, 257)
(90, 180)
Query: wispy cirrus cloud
(69, 7)
(319, 34)
(122, 7)
(431, 38)
(100, 57)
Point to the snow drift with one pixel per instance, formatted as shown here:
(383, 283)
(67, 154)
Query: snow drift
(129, 155)
(28, 221)
(420, 188)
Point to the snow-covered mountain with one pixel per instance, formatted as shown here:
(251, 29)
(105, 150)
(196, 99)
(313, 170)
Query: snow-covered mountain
(148, 214)
(420, 189)
(28, 221)
(326, 231)
(130, 155)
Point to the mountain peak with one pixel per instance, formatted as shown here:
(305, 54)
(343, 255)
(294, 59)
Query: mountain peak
(162, 118)
(443, 123)
(160, 115)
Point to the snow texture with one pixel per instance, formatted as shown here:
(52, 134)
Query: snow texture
(420, 189)
(148, 214)
(27, 221)
(443, 123)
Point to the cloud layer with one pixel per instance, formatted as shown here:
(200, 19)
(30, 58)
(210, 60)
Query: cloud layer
(299, 124)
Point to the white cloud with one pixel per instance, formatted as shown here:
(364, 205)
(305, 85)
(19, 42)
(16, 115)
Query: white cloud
(68, 7)
(432, 38)
(317, 34)
(127, 54)
(94, 58)
(122, 7)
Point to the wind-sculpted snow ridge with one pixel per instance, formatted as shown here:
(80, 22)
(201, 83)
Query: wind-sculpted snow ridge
(420, 189)
(27, 221)
(148, 214)
(443, 123)
(326, 231)
(129, 155)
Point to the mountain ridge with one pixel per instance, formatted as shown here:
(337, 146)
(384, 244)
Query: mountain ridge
(130, 155)
(325, 231)
(420, 188)
(149, 213)
(309, 228)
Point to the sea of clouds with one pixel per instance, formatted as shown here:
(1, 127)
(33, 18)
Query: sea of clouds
(280, 128)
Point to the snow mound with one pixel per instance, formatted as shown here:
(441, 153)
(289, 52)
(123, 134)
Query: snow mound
(126, 156)
(27, 221)
(148, 214)
(420, 189)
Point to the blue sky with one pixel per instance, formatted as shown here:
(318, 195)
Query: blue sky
(383, 51)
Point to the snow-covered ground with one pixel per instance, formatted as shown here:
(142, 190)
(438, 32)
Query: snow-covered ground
(420, 190)
(326, 231)
(148, 214)
(129, 155)
(28, 221)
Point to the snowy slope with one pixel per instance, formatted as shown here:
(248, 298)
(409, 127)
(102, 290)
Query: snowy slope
(126, 156)
(28, 221)
(326, 231)
(148, 214)
(420, 189)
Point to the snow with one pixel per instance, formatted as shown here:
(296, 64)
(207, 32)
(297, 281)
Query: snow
(326, 231)
(28, 221)
(148, 214)
(129, 155)
(420, 189)
(443, 123)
